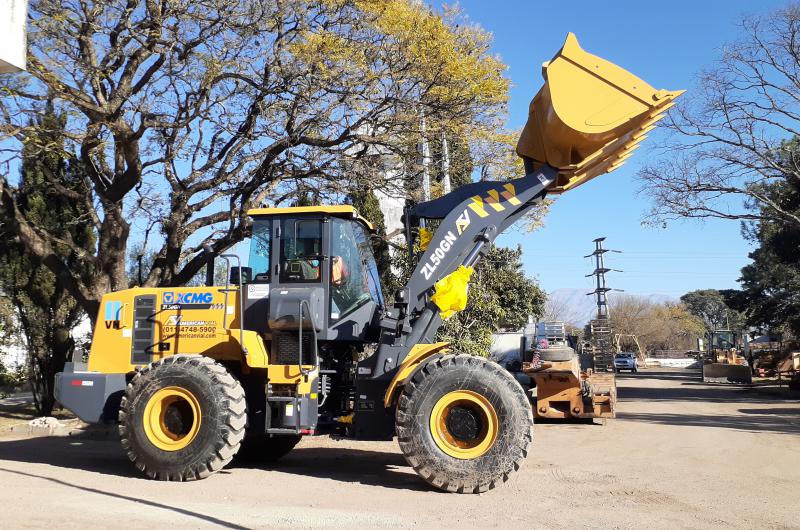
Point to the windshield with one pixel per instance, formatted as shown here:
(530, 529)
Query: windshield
(624, 355)
(354, 276)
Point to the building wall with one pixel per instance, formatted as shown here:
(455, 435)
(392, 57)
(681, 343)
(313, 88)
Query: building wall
(13, 15)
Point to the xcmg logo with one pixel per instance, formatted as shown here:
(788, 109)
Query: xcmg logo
(173, 298)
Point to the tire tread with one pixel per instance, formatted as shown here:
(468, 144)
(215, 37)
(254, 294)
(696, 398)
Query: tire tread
(230, 436)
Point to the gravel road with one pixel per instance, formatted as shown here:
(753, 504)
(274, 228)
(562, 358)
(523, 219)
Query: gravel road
(681, 454)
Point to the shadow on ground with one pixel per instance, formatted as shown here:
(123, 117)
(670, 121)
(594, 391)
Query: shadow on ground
(756, 423)
(679, 374)
(95, 451)
(373, 468)
(689, 388)
(136, 500)
(704, 393)
(781, 420)
(20, 409)
(99, 452)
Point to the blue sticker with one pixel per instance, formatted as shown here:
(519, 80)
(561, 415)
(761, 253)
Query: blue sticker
(113, 310)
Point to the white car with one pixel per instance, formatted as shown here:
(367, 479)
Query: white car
(625, 361)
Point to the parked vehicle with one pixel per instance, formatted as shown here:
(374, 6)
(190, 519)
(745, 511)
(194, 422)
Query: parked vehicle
(625, 361)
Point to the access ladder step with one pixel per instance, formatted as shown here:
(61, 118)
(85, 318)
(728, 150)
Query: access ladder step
(281, 430)
(281, 399)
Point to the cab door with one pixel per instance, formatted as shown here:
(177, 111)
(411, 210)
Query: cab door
(258, 284)
(354, 285)
(298, 290)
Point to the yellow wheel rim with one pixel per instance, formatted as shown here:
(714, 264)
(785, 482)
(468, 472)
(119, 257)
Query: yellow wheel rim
(464, 424)
(172, 418)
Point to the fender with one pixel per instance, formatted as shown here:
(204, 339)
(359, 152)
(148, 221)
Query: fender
(415, 359)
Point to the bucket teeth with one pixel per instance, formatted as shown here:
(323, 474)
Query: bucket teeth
(591, 130)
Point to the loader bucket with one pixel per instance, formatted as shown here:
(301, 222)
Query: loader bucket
(588, 117)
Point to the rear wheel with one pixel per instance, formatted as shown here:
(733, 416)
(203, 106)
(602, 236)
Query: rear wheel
(464, 423)
(182, 418)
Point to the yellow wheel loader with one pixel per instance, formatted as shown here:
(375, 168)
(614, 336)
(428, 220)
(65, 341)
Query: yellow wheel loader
(301, 341)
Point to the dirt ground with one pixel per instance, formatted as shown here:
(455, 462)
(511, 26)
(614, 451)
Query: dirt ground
(681, 454)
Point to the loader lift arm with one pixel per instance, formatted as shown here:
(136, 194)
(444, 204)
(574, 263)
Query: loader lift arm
(472, 217)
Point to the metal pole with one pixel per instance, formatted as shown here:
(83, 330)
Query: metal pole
(601, 326)
(445, 164)
(426, 161)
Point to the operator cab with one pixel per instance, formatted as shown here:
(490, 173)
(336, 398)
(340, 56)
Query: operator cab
(319, 257)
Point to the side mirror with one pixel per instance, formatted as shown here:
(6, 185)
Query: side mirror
(246, 275)
(209, 254)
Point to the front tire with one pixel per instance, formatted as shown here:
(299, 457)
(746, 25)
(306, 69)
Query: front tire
(464, 423)
(182, 418)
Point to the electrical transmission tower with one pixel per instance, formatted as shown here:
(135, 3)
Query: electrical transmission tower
(600, 327)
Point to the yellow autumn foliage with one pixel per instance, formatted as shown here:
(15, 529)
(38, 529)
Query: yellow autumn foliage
(449, 61)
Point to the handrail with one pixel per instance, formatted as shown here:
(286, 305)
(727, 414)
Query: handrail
(121, 315)
(300, 340)
(227, 257)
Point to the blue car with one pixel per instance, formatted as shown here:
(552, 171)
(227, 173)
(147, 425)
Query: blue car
(625, 361)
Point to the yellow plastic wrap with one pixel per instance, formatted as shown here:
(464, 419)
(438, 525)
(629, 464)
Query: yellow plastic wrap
(425, 237)
(451, 291)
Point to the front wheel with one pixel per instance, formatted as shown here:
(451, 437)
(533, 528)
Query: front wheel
(182, 418)
(464, 423)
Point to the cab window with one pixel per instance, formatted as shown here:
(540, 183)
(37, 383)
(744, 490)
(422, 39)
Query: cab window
(301, 250)
(260, 247)
(368, 260)
(352, 284)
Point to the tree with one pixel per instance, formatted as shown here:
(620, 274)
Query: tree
(770, 297)
(43, 307)
(184, 115)
(558, 307)
(657, 326)
(500, 297)
(728, 138)
(710, 306)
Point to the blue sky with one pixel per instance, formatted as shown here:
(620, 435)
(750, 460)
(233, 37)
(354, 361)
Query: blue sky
(666, 44)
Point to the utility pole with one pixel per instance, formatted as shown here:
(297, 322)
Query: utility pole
(425, 151)
(600, 327)
(445, 165)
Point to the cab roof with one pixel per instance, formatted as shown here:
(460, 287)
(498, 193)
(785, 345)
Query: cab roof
(344, 210)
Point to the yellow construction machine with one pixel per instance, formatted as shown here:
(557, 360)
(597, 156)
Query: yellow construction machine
(723, 363)
(300, 342)
(563, 389)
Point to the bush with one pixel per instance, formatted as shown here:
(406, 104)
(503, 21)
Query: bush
(12, 379)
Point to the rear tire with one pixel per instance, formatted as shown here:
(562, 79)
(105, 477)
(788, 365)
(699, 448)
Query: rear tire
(464, 423)
(182, 418)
